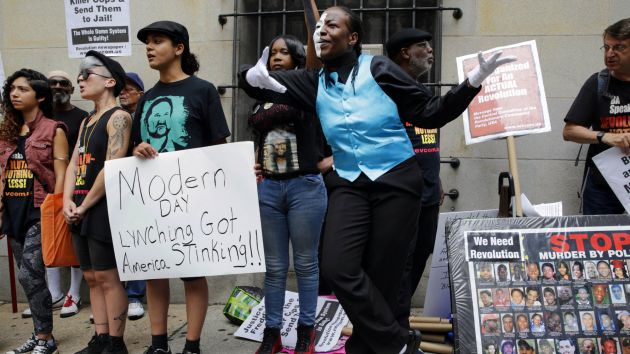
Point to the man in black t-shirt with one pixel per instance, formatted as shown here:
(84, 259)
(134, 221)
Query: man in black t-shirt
(62, 90)
(603, 104)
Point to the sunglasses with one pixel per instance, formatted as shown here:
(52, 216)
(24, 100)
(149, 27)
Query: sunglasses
(85, 74)
(60, 82)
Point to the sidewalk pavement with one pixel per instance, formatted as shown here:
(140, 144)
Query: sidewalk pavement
(73, 333)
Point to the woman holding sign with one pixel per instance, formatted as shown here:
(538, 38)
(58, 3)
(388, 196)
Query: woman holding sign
(33, 159)
(376, 185)
(104, 135)
(180, 112)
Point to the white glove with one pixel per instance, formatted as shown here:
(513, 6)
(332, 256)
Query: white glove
(258, 76)
(485, 68)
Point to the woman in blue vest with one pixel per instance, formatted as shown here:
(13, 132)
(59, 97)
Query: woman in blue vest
(376, 185)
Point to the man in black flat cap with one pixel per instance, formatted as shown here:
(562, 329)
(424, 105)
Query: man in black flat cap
(411, 49)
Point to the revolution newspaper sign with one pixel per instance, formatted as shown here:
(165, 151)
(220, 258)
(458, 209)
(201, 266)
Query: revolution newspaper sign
(540, 283)
(512, 100)
(101, 25)
(186, 213)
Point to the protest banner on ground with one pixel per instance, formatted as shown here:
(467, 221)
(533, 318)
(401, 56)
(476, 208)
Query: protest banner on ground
(98, 25)
(330, 320)
(512, 100)
(539, 280)
(186, 213)
(615, 167)
(437, 301)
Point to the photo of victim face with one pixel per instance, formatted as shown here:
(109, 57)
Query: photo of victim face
(503, 274)
(587, 321)
(533, 272)
(485, 273)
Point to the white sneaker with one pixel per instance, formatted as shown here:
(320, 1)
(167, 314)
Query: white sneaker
(55, 305)
(70, 307)
(135, 311)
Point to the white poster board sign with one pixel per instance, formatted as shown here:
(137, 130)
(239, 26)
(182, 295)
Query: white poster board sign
(186, 213)
(101, 25)
(615, 167)
(512, 100)
(437, 301)
(330, 320)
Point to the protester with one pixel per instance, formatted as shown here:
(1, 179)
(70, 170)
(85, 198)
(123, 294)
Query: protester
(129, 97)
(292, 199)
(410, 48)
(599, 104)
(183, 103)
(104, 135)
(64, 111)
(33, 160)
(375, 189)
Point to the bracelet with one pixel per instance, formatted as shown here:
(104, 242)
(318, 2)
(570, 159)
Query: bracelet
(61, 158)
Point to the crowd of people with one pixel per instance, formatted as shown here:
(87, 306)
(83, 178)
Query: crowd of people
(347, 156)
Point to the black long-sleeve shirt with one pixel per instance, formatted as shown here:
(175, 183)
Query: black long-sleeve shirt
(416, 103)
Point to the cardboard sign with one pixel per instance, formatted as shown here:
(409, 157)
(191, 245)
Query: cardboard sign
(615, 167)
(437, 301)
(572, 284)
(101, 25)
(330, 320)
(512, 100)
(186, 213)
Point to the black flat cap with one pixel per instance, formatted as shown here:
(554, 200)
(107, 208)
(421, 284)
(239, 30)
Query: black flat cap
(114, 67)
(404, 38)
(177, 32)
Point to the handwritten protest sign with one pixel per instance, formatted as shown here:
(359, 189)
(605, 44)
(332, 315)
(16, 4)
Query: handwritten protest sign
(438, 298)
(185, 213)
(512, 100)
(615, 167)
(330, 320)
(101, 25)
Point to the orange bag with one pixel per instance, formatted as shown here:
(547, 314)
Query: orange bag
(57, 248)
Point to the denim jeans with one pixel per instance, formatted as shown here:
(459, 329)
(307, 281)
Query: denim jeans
(599, 199)
(136, 290)
(291, 209)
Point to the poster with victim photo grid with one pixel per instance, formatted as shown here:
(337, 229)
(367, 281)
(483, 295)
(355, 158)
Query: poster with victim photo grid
(541, 285)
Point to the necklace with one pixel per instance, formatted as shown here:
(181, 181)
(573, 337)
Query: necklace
(86, 142)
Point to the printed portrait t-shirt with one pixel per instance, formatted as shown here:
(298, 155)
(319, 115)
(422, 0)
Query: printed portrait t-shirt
(180, 115)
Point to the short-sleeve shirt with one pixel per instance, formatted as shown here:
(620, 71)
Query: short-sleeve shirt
(72, 119)
(180, 115)
(608, 113)
(289, 141)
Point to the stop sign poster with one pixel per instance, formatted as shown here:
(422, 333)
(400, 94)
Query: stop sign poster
(541, 283)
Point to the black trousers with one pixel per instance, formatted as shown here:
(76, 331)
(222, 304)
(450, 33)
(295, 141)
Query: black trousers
(419, 252)
(369, 228)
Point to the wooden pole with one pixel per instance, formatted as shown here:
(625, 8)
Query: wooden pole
(511, 146)
(425, 319)
(432, 327)
(311, 16)
(436, 348)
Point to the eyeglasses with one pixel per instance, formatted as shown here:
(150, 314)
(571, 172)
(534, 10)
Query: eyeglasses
(617, 48)
(60, 82)
(85, 74)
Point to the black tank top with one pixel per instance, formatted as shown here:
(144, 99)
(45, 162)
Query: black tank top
(92, 153)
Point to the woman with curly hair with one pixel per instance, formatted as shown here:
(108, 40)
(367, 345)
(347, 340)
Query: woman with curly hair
(33, 158)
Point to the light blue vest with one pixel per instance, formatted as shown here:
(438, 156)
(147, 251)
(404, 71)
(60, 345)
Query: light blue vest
(362, 125)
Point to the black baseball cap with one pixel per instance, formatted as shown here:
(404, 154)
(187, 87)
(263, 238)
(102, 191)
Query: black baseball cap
(177, 32)
(114, 67)
(404, 38)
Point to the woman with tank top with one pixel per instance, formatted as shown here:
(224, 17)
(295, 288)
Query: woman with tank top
(104, 135)
(33, 159)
